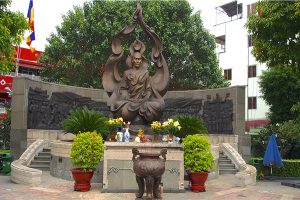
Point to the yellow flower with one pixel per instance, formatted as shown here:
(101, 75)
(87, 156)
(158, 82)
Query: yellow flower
(171, 120)
(176, 123)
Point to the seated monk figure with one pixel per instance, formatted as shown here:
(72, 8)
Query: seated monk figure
(134, 98)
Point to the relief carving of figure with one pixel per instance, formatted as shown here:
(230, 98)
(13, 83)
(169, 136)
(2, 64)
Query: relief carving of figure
(136, 96)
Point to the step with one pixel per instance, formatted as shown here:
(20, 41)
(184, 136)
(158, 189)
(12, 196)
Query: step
(40, 167)
(226, 166)
(40, 162)
(44, 154)
(228, 171)
(45, 158)
(225, 161)
(46, 150)
(223, 156)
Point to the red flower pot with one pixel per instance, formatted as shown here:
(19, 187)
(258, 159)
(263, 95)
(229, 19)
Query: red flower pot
(197, 180)
(82, 179)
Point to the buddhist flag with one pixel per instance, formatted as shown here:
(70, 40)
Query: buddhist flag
(30, 16)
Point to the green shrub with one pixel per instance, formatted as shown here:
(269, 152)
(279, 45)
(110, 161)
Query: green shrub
(84, 120)
(87, 150)
(5, 126)
(190, 125)
(291, 168)
(197, 153)
(287, 137)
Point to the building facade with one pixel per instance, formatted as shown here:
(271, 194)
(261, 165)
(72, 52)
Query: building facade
(234, 47)
(26, 65)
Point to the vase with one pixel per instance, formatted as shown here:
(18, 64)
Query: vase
(127, 135)
(119, 135)
(155, 137)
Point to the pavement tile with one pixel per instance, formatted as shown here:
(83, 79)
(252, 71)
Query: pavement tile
(222, 188)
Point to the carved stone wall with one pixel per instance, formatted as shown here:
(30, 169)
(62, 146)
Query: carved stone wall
(48, 113)
(41, 105)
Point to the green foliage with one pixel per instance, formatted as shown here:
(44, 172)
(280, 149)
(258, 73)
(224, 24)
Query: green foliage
(280, 88)
(86, 34)
(287, 137)
(12, 27)
(197, 153)
(83, 120)
(291, 168)
(87, 150)
(5, 131)
(276, 33)
(189, 125)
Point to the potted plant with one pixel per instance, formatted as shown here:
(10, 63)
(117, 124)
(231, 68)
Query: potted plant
(86, 152)
(83, 119)
(198, 159)
(190, 125)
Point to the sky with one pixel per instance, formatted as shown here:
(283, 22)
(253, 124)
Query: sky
(48, 15)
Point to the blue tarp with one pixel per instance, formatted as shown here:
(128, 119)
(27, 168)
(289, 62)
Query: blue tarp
(272, 155)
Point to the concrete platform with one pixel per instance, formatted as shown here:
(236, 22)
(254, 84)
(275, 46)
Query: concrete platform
(220, 189)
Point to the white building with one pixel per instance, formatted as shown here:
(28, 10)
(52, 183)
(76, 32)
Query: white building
(234, 46)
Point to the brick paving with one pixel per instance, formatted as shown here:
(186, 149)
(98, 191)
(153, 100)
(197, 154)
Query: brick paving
(219, 189)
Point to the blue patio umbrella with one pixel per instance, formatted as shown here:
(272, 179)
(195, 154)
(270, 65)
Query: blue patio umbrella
(272, 155)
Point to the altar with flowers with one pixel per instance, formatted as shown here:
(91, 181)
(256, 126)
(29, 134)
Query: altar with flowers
(118, 175)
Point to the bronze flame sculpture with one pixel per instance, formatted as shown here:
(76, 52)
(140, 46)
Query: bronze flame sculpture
(136, 96)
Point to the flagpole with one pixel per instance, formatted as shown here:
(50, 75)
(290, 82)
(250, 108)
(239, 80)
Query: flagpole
(17, 61)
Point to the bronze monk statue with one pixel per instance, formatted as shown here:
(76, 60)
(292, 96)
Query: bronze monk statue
(136, 96)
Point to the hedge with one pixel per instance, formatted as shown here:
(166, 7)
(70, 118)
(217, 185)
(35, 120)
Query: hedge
(291, 168)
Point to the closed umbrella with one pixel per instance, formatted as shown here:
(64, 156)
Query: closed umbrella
(272, 155)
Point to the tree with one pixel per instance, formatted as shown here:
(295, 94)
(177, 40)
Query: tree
(77, 53)
(12, 27)
(280, 87)
(275, 33)
(287, 137)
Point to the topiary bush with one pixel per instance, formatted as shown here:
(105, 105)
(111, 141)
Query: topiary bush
(189, 125)
(291, 168)
(197, 153)
(87, 150)
(84, 120)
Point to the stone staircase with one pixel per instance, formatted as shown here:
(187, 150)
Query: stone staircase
(225, 165)
(42, 160)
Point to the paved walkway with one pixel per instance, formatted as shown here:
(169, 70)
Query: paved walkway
(219, 189)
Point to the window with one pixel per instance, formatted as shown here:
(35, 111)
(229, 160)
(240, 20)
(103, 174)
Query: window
(250, 41)
(227, 74)
(252, 103)
(251, 9)
(29, 71)
(251, 71)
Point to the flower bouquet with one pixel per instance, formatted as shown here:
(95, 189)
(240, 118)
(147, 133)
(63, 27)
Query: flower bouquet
(156, 129)
(113, 125)
(170, 128)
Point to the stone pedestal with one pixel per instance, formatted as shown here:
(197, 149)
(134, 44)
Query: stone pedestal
(118, 175)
